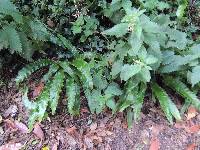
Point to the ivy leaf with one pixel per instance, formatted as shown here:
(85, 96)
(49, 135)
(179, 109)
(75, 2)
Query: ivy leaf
(129, 70)
(118, 30)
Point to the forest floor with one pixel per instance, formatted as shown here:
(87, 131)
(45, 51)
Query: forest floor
(103, 131)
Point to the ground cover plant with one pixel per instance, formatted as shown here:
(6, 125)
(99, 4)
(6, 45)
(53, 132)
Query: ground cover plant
(114, 53)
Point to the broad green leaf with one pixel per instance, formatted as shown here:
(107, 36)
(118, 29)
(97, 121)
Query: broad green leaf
(116, 68)
(195, 75)
(118, 30)
(145, 74)
(129, 70)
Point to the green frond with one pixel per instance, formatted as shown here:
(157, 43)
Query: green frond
(40, 104)
(30, 68)
(55, 89)
(27, 50)
(73, 96)
(8, 8)
(183, 90)
(138, 103)
(166, 103)
(11, 36)
(52, 70)
(84, 69)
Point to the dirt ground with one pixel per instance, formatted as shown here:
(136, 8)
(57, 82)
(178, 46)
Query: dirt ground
(94, 132)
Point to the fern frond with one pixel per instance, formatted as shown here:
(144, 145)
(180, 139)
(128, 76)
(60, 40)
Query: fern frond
(183, 90)
(139, 102)
(11, 36)
(55, 89)
(30, 68)
(8, 8)
(27, 50)
(52, 70)
(73, 96)
(41, 105)
(166, 103)
(84, 68)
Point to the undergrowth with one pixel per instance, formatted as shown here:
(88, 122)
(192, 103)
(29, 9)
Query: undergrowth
(121, 49)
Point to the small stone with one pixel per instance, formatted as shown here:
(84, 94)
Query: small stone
(1, 119)
(1, 131)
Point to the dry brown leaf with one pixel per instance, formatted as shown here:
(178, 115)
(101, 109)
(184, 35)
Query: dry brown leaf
(21, 127)
(93, 126)
(84, 110)
(11, 146)
(71, 130)
(155, 144)
(38, 131)
(192, 112)
(37, 90)
(10, 124)
(191, 147)
(193, 129)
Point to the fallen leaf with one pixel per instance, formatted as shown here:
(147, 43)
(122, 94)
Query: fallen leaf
(192, 112)
(71, 130)
(11, 111)
(37, 90)
(154, 144)
(193, 129)
(93, 126)
(50, 23)
(84, 110)
(11, 146)
(45, 148)
(38, 131)
(191, 147)
(10, 124)
(21, 127)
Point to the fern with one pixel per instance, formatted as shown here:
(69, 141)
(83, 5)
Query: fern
(55, 89)
(73, 96)
(30, 68)
(183, 90)
(166, 103)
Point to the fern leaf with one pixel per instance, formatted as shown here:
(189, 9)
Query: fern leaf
(55, 90)
(12, 37)
(139, 102)
(30, 68)
(167, 105)
(27, 50)
(183, 90)
(84, 68)
(52, 70)
(41, 104)
(65, 66)
(73, 97)
(8, 8)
